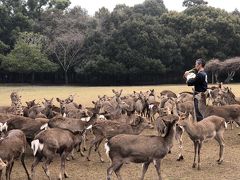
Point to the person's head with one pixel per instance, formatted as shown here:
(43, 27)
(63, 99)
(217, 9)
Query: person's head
(200, 63)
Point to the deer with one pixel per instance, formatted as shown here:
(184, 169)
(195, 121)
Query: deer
(165, 115)
(168, 93)
(208, 128)
(29, 105)
(16, 107)
(29, 126)
(50, 142)
(125, 148)
(73, 125)
(12, 146)
(107, 129)
(231, 113)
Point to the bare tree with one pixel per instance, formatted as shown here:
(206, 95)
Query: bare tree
(214, 66)
(67, 51)
(231, 66)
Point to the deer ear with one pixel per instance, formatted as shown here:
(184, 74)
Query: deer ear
(58, 100)
(164, 129)
(80, 106)
(113, 91)
(205, 93)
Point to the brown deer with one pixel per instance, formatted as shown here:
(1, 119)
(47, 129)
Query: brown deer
(208, 128)
(50, 142)
(12, 146)
(107, 129)
(125, 148)
(231, 113)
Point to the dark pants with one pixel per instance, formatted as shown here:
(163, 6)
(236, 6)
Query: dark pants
(198, 114)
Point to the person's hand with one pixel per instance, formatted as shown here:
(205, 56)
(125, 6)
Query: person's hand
(185, 74)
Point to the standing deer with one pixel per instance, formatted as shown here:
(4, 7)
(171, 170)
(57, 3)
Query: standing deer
(208, 128)
(125, 148)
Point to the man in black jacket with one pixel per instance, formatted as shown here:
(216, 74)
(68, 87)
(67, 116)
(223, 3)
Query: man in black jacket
(199, 82)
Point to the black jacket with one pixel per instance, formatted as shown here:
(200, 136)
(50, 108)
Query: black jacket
(199, 82)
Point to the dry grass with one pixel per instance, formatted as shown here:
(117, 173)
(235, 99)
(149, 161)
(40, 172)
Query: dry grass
(84, 95)
(80, 169)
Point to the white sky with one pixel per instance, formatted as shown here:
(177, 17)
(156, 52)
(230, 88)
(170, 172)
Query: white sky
(93, 5)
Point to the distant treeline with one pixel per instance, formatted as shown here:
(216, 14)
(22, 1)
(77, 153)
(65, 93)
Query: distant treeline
(46, 42)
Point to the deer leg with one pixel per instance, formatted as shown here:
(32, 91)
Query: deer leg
(80, 150)
(1, 174)
(45, 167)
(98, 150)
(72, 154)
(157, 164)
(220, 140)
(94, 142)
(62, 171)
(115, 166)
(37, 159)
(195, 154)
(117, 172)
(65, 172)
(180, 156)
(144, 169)
(8, 170)
(199, 152)
(24, 166)
(238, 123)
(180, 141)
(84, 141)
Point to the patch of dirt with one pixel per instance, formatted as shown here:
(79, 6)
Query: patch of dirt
(81, 169)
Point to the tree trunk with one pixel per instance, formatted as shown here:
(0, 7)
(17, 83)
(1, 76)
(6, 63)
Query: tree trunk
(22, 78)
(66, 77)
(212, 78)
(33, 78)
(230, 76)
(216, 77)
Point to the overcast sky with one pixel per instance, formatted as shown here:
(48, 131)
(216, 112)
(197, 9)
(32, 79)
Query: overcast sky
(93, 5)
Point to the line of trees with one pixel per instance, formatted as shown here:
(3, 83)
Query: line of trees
(45, 41)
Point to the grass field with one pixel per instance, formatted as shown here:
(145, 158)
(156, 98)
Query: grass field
(84, 95)
(80, 169)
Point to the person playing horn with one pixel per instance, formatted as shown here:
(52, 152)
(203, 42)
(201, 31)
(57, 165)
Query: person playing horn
(197, 77)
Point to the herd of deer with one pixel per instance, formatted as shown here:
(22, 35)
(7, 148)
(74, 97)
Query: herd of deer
(51, 130)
